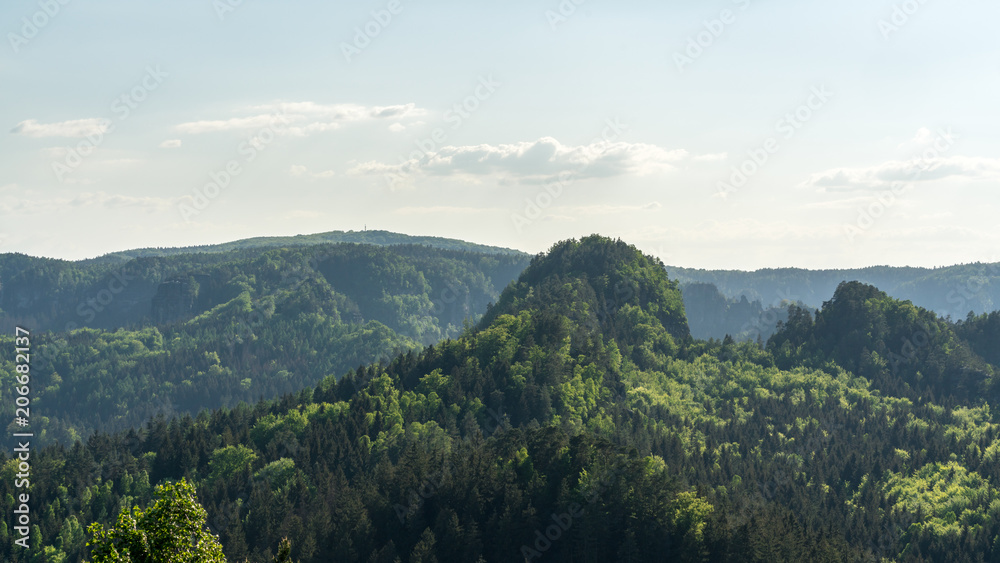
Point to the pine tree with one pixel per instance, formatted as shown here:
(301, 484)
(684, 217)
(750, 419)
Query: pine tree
(423, 552)
(284, 552)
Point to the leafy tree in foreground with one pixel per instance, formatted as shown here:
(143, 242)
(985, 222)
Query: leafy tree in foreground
(170, 531)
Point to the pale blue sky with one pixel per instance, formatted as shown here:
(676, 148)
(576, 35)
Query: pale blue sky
(351, 124)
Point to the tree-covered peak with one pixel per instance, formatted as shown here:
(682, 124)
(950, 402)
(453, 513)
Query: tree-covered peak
(596, 280)
(904, 349)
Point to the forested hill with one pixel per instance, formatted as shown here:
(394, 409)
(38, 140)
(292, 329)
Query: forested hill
(951, 291)
(210, 330)
(379, 238)
(57, 295)
(578, 422)
(905, 351)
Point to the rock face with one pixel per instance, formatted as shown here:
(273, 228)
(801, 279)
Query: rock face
(175, 299)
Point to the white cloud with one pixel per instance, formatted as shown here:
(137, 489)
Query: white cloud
(895, 172)
(171, 144)
(535, 161)
(236, 123)
(397, 127)
(921, 140)
(74, 128)
(301, 118)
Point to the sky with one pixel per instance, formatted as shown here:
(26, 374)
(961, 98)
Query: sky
(736, 134)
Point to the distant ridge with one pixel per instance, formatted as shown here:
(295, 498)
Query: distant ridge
(951, 290)
(379, 238)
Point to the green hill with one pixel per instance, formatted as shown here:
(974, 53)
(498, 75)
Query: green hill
(117, 290)
(378, 238)
(578, 421)
(191, 332)
(904, 350)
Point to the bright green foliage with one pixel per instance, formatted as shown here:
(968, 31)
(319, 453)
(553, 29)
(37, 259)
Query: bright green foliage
(230, 459)
(170, 531)
(953, 499)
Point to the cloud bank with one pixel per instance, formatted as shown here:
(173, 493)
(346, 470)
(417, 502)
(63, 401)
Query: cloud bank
(76, 128)
(535, 161)
(301, 118)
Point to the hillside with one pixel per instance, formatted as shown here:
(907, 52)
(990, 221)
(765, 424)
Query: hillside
(378, 238)
(117, 290)
(191, 332)
(578, 421)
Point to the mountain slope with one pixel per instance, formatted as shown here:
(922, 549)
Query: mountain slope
(903, 349)
(54, 295)
(378, 238)
(983, 335)
(217, 332)
(577, 423)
